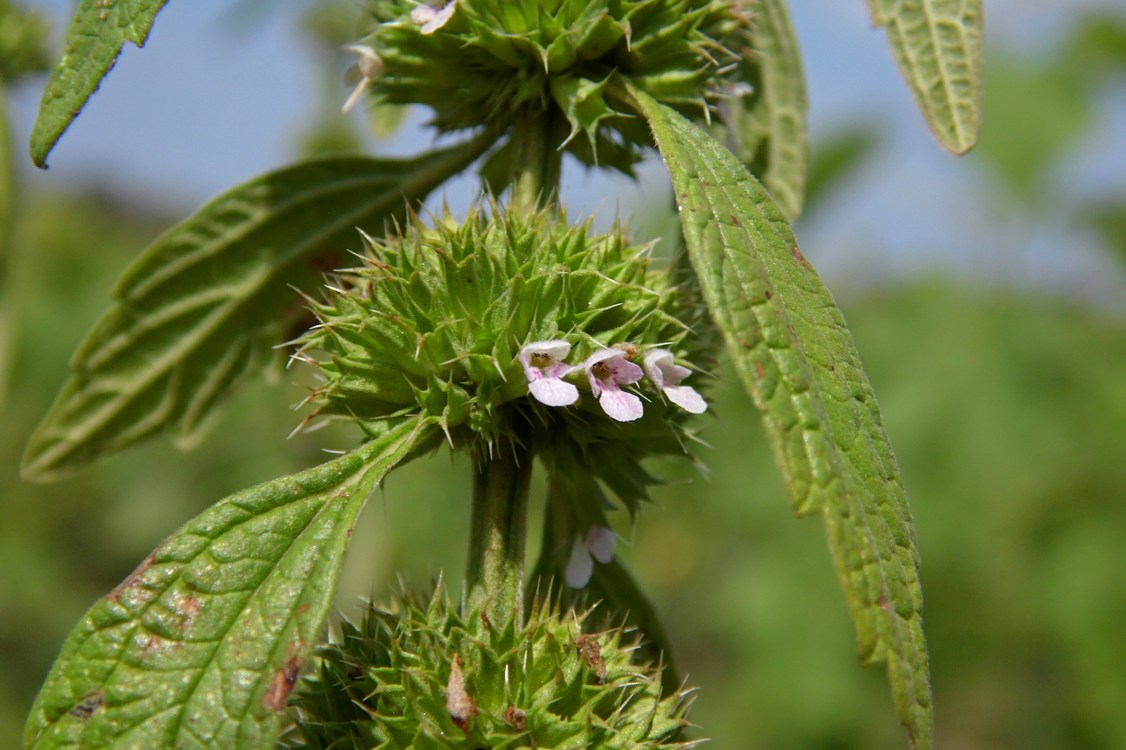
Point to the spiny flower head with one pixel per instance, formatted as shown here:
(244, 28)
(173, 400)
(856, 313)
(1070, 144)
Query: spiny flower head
(527, 328)
(419, 674)
(482, 62)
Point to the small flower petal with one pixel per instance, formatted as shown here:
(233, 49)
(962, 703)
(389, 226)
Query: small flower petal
(579, 567)
(369, 65)
(430, 18)
(661, 368)
(545, 355)
(686, 397)
(600, 542)
(665, 374)
(553, 392)
(424, 14)
(622, 406)
(606, 370)
(544, 368)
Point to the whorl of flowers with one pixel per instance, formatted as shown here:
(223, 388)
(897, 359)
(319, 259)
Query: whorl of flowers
(485, 61)
(507, 326)
(421, 675)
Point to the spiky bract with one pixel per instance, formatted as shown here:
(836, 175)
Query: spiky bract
(433, 321)
(419, 675)
(494, 59)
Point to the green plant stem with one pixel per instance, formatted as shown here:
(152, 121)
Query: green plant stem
(536, 159)
(498, 530)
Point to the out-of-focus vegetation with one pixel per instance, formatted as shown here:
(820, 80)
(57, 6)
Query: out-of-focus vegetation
(1007, 410)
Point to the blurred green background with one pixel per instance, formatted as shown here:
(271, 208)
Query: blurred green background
(1006, 404)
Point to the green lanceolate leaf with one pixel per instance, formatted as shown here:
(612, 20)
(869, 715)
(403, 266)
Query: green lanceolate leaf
(205, 304)
(200, 646)
(792, 349)
(938, 46)
(98, 31)
(767, 125)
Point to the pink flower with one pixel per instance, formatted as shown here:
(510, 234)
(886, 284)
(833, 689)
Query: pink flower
(665, 374)
(432, 15)
(607, 369)
(598, 545)
(369, 66)
(545, 369)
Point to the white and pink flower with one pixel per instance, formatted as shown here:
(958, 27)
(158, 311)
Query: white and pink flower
(369, 66)
(433, 15)
(607, 370)
(665, 374)
(597, 545)
(545, 369)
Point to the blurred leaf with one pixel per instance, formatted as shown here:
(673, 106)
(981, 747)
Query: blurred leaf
(767, 126)
(385, 118)
(790, 345)
(23, 42)
(332, 24)
(7, 215)
(200, 646)
(1110, 221)
(1054, 97)
(834, 160)
(1098, 45)
(938, 45)
(96, 35)
(205, 304)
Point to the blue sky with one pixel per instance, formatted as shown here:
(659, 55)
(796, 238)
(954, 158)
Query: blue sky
(214, 99)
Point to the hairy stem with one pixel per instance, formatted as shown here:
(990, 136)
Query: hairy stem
(498, 529)
(536, 159)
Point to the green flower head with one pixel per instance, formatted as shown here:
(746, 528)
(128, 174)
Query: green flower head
(421, 675)
(527, 328)
(487, 62)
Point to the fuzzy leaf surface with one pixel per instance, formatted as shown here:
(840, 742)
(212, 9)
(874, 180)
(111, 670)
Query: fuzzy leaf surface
(98, 31)
(204, 305)
(200, 646)
(794, 353)
(767, 125)
(938, 46)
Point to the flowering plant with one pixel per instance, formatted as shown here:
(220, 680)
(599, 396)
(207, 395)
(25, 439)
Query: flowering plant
(509, 334)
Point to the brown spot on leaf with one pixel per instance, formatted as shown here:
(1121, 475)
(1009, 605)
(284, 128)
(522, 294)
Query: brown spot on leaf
(734, 219)
(186, 607)
(153, 644)
(132, 579)
(760, 370)
(515, 718)
(796, 252)
(769, 295)
(459, 705)
(282, 685)
(591, 652)
(91, 702)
